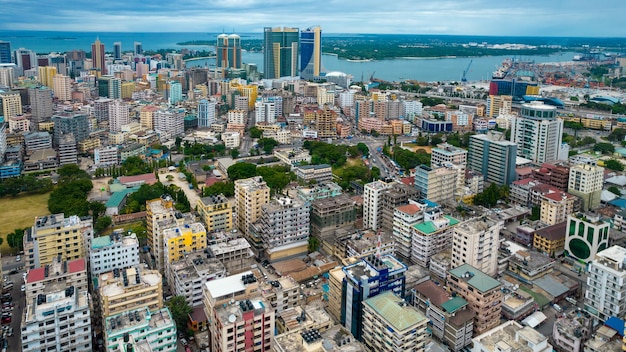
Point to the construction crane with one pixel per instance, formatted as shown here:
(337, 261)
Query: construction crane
(464, 78)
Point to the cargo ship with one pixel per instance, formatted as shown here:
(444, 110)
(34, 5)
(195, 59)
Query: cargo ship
(503, 70)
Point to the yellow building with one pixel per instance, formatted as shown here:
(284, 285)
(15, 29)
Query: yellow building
(55, 235)
(145, 116)
(158, 210)
(216, 212)
(556, 207)
(11, 105)
(250, 195)
(179, 240)
(597, 123)
(126, 289)
(551, 240)
(88, 144)
(46, 75)
(245, 90)
(46, 126)
(127, 90)
(336, 277)
(499, 104)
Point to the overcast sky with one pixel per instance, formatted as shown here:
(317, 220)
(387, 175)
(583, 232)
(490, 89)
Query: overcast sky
(471, 17)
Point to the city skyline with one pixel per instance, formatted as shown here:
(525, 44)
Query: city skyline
(454, 17)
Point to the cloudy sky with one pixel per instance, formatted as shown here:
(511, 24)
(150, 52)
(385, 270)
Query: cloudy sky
(471, 17)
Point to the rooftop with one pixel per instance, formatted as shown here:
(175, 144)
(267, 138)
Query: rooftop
(554, 232)
(227, 286)
(134, 320)
(429, 227)
(118, 281)
(475, 278)
(511, 336)
(56, 269)
(372, 266)
(393, 309)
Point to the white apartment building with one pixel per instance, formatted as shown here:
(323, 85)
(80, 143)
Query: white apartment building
(476, 242)
(186, 277)
(537, 132)
(511, 336)
(207, 111)
(231, 139)
(586, 181)
(145, 330)
(280, 136)
(57, 275)
(118, 115)
(431, 236)
(320, 173)
(372, 204)
(404, 218)
(250, 195)
(169, 123)
(346, 99)
(238, 117)
(62, 87)
(447, 153)
(11, 104)
(265, 111)
(113, 252)
(57, 321)
(412, 108)
(104, 156)
(606, 284)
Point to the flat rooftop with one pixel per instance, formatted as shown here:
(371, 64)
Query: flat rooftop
(372, 266)
(505, 337)
(475, 278)
(393, 310)
(227, 286)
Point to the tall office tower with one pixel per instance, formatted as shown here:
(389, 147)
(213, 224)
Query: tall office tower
(482, 291)
(367, 278)
(585, 181)
(62, 87)
(372, 204)
(537, 132)
(97, 57)
(396, 195)
(282, 230)
(175, 92)
(206, 113)
(5, 52)
(228, 49)
(42, 239)
(138, 48)
(110, 87)
(25, 59)
(7, 76)
(40, 103)
(493, 156)
(499, 105)
(169, 123)
(381, 313)
(46, 75)
(606, 281)
(476, 242)
(118, 115)
(250, 195)
(11, 104)
(311, 52)
(101, 109)
(71, 122)
(280, 53)
(117, 51)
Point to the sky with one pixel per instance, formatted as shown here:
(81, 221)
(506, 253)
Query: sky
(571, 18)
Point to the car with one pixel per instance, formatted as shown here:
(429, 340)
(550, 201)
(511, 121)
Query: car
(23, 288)
(8, 304)
(18, 258)
(10, 332)
(184, 341)
(6, 320)
(13, 272)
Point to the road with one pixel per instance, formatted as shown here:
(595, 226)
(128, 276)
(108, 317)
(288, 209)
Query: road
(191, 194)
(8, 263)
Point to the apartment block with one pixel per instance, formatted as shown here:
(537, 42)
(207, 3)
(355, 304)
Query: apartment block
(56, 276)
(431, 236)
(585, 236)
(556, 207)
(282, 230)
(250, 195)
(105, 156)
(364, 279)
(37, 141)
(55, 235)
(235, 254)
(183, 237)
(141, 330)
(481, 292)
(571, 331)
(451, 319)
(157, 211)
(217, 213)
(440, 184)
(127, 289)
(551, 240)
(11, 104)
(511, 336)
(404, 218)
(281, 294)
(113, 252)
(186, 277)
(391, 324)
(397, 194)
(606, 284)
(447, 153)
(59, 320)
(247, 325)
(372, 204)
(317, 173)
(332, 214)
(586, 181)
(537, 132)
(493, 156)
(476, 242)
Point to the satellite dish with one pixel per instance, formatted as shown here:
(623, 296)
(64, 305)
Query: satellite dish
(232, 318)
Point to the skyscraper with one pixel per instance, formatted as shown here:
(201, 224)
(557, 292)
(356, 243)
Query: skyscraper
(25, 59)
(138, 48)
(97, 57)
(493, 156)
(117, 50)
(537, 132)
(175, 92)
(206, 113)
(5, 52)
(310, 52)
(228, 51)
(62, 87)
(280, 56)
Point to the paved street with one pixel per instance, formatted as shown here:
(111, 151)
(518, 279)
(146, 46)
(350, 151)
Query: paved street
(9, 263)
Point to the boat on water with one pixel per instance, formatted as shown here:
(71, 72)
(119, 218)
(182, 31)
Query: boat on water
(503, 70)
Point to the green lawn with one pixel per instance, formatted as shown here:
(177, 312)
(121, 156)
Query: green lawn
(540, 299)
(19, 212)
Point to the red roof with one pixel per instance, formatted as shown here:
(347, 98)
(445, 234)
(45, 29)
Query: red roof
(147, 178)
(35, 275)
(436, 294)
(73, 266)
(409, 209)
(557, 196)
(77, 265)
(524, 181)
(409, 181)
(210, 181)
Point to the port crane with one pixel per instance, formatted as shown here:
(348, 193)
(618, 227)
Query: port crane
(464, 78)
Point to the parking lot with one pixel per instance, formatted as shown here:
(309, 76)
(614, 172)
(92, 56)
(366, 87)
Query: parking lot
(13, 271)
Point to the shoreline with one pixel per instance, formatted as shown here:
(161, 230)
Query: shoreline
(200, 58)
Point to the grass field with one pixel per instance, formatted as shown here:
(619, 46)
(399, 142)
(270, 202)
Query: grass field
(20, 212)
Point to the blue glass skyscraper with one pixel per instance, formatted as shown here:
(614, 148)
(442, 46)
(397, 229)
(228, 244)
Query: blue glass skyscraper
(5, 52)
(310, 52)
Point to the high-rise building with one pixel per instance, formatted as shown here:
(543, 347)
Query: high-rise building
(40, 103)
(62, 87)
(169, 123)
(216, 212)
(117, 51)
(372, 204)
(481, 291)
(157, 211)
(440, 184)
(586, 181)
(175, 92)
(25, 59)
(431, 236)
(282, 230)
(5, 52)
(128, 289)
(446, 153)
(250, 195)
(118, 115)
(384, 331)
(206, 113)
(46, 75)
(43, 239)
(7, 76)
(146, 116)
(404, 218)
(138, 48)
(70, 122)
(265, 111)
(11, 104)
(606, 282)
(586, 235)
(326, 123)
(364, 279)
(143, 329)
(110, 87)
(499, 105)
(228, 48)
(311, 52)
(185, 236)
(59, 274)
(97, 57)
(476, 242)
(186, 277)
(67, 150)
(537, 132)
(280, 54)
(492, 156)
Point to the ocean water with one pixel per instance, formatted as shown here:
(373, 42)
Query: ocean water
(391, 70)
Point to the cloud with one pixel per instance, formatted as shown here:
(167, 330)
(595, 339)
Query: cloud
(471, 17)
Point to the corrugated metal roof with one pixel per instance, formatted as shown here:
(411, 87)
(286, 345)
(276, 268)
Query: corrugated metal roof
(399, 317)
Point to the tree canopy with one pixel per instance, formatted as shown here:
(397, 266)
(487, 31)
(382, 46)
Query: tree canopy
(240, 171)
(180, 310)
(614, 165)
(225, 188)
(255, 132)
(70, 195)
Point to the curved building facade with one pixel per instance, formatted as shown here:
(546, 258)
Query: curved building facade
(228, 48)
(310, 52)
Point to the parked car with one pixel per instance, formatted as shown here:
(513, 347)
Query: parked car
(6, 320)
(18, 258)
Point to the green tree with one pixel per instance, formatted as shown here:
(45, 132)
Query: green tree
(96, 209)
(617, 135)
(314, 244)
(241, 170)
(180, 310)
(276, 177)
(234, 153)
(267, 144)
(614, 190)
(363, 149)
(604, 148)
(14, 239)
(375, 173)
(535, 213)
(102, 223)
(225, 188)
(614, 165)
(255, 132)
